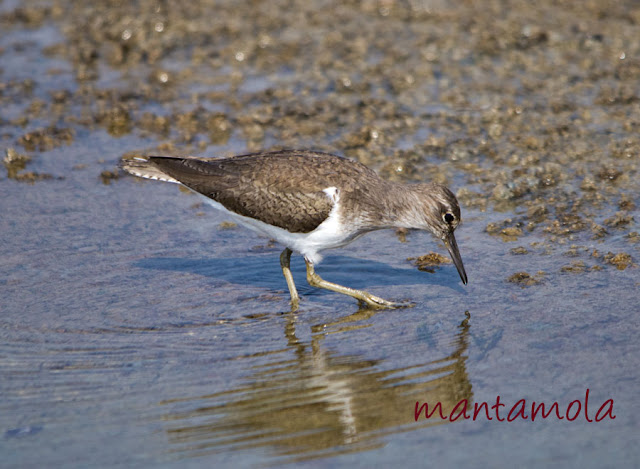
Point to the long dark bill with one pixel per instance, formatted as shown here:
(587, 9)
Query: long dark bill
(452, 246)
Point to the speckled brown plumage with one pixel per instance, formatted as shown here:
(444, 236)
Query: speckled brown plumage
(283, 188)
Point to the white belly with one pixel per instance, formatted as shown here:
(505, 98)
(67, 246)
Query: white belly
(329, 234)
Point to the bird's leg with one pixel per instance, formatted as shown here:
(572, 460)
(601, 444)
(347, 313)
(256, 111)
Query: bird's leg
(285, 257)
(373, 301)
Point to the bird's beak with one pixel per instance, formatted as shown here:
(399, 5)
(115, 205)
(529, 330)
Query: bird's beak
(452, 246)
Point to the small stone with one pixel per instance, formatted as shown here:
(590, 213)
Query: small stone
(626, 203)
(108, 176)
(622, 260)
(523, 279)
(598, 231)
(588, 184)
(619, 220)
(574, 267)
(502, 192)
(609, 173)
(429, 262)
(510, 233)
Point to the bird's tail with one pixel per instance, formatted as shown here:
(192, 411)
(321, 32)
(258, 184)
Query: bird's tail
(144, 168)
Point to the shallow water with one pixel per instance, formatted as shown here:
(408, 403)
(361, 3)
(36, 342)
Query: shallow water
(137, 330)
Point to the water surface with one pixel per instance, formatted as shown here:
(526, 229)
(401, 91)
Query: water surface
(138, 329)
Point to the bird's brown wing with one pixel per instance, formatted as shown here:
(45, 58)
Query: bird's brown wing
(284, 189)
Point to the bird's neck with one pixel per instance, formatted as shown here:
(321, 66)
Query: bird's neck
(404, 206)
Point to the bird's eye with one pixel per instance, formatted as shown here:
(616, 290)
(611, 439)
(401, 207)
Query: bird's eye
(448, 217)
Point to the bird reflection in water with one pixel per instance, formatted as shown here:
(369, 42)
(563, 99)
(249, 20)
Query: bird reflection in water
(313, 403)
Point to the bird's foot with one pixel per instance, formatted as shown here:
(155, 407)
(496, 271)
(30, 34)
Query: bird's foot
(372, 301)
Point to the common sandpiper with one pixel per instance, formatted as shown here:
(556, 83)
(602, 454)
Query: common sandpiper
(309, 202)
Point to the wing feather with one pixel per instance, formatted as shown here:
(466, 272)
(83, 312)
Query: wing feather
(285, 188)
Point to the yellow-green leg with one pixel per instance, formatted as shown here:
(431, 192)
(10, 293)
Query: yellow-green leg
(285, 259)
(373, 301)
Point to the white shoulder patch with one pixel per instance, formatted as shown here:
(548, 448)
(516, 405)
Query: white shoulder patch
(333, 193)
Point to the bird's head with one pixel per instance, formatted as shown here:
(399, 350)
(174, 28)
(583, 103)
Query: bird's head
(441, 216)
